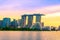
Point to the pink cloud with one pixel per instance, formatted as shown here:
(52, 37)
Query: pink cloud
(49, 9)
(44, 10)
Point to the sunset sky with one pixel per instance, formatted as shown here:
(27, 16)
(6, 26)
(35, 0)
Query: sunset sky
(16, 8)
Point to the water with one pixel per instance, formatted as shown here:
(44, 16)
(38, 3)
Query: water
(29, 35)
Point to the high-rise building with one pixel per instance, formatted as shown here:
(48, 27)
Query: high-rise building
(36, 26)
(1, 23)
(19, 23)
(30, 20)
(38, 18)
(6, 22)
(23, 20)
(14, 24)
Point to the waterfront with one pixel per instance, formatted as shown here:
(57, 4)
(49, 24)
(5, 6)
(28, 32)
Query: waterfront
(29, 35)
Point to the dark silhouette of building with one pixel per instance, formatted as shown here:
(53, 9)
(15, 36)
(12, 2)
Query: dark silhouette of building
(58, 28)
(30, 20)
(14, 24)
(1, 23)
(53, 28)
(19, 23)
(36, 26)
(38, 17)
(23, 21)
(6, 22)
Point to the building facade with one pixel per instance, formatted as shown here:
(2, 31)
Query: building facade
(6, 22)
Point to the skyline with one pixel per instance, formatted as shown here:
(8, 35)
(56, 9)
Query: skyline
(20, 24)
(34, 20)
(16, 8)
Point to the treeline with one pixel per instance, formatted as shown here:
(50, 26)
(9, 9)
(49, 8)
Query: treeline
(23, 29)
(18, 29)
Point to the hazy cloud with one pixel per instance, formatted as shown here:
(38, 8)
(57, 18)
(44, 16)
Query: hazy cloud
(26, 4)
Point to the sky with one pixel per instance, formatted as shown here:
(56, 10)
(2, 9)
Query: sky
(16, 8)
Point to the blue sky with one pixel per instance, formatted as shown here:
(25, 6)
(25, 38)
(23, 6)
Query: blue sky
(26, 4)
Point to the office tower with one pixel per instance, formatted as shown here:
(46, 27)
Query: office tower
(19, 23)
(14, 24)
(6, 22)
(30, 20)
(1, 23)
(23, 21)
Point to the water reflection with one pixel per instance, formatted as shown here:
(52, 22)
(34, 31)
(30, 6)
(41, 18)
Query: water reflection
(23, 36)
(5, 36)
(38, 36)
(31, 35)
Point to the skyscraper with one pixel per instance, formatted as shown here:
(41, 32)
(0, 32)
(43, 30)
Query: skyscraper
(38, 17)
(19, 23)
(1, 23)
(14, 24)
(6, 22)
(23, 20)
(36, 26)
(30, 20)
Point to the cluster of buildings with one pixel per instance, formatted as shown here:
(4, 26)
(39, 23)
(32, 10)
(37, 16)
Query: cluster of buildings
(6, 22)
(21, 23)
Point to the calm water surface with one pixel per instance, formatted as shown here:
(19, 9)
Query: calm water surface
(29, 35)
